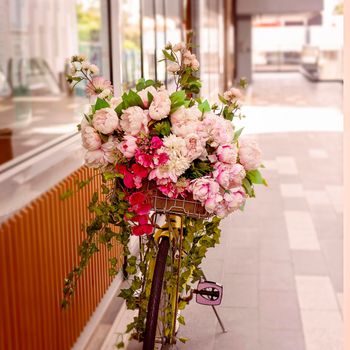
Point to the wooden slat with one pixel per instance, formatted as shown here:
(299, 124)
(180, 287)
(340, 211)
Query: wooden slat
(38, 247)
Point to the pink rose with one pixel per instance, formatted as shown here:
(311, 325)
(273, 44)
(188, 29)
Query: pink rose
(91, 139)
(249, 154)
(105, 120)
(227, 153)
(144, 94)
(128, 146)
(134, 121)
(160, 106)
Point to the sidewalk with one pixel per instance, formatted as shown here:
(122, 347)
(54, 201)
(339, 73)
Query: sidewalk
(280, 261)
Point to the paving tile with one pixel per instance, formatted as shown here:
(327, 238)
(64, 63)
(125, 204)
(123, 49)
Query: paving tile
(276, 275)
(315, 293)
(279, 310)
(317, 197)
(301, 231)
(286, 165)
(295, 203)
(322, 329)
(318, 153)
(282, 340)
(292, 190)
(242, 326)
(306, 262)
(335, 193)
(332, 249)
(274, 249)
(240, 291)
(242, 261)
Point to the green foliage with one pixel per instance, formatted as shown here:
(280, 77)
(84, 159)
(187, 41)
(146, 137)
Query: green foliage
(161, 128)
(198, 169)
(100, 103)
(255, 177)
(177, 99)
(204, 106)
(237, 134)
(143, 84)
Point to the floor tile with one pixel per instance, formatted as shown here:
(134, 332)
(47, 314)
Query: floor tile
(318, 153)
(292, 190)
(279, 310)
(243, 261)
(306, 262)
(317, 197)
(286, 165)
(282, 340)
(274, 249)
(315, 293)
(276, 275)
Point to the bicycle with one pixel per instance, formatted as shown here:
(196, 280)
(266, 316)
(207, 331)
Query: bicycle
(169, 240)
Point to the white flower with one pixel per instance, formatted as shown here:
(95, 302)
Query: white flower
(105, 120)
(91, 139)
(179, 47)
(173, 67)
(160, 106)
(94, 69)
(134, 121)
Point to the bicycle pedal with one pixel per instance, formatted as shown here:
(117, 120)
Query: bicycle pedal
(209, 293)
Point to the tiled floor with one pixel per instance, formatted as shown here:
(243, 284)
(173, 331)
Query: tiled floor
(280, 260)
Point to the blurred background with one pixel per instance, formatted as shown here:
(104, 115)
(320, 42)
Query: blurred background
(281, 259)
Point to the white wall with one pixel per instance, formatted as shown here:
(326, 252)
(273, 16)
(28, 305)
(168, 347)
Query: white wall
(257, 7)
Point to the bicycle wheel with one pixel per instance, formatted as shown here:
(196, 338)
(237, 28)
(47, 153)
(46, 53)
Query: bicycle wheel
(155, 296)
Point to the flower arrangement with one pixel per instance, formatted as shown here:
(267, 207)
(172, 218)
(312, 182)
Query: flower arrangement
(173, 142)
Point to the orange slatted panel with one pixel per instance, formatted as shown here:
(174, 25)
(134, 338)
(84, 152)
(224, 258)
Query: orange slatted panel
(38, 247)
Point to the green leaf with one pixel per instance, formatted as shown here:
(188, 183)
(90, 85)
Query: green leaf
(177, 99)
(204, 107)
(101, 104)
(132, 99)
(256, 178)
(66, 194)
(222, 99)
(248, 187)
(141, 84)
(183, 340)
(237, 134)
(181, 320)
(120, 345)
(162, 128)
(169, 56)
(149, 98)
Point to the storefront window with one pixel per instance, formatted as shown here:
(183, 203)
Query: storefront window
(36, 40)
(149, 39)
(131, 42)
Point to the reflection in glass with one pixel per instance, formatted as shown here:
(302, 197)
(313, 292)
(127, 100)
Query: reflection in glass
(149, 39)
(36, 40)
(131, 42)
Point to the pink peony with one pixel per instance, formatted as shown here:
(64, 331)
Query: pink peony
(91, 139)
(105, 120)
(195, 146)
(234, 198)
(134, 121)
(95, 159)
(249, 154)
(109, 149)
(233, 94)
(227, 153)
(204, 188)
(128, 146)
(185, 121)
(144, 94)
(160, 106)
(228, 175)
(216, 130)
(98, 85)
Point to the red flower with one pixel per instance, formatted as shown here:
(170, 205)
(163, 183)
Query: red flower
(142, 230)
(156, 142)
(141, 219)
(139, 170)
(137, 198)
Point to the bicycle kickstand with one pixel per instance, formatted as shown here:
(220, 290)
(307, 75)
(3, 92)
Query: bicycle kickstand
(224, 330)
